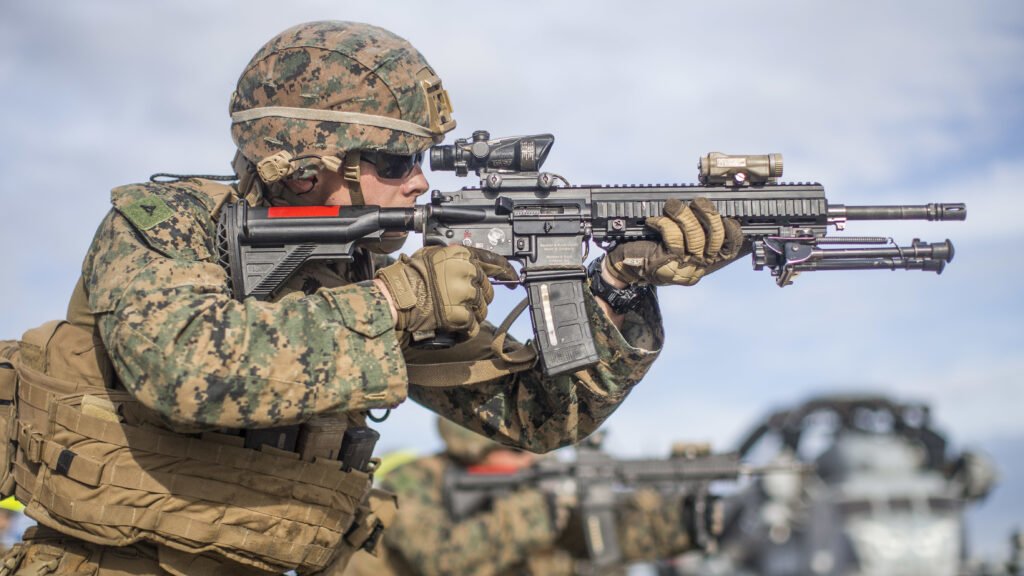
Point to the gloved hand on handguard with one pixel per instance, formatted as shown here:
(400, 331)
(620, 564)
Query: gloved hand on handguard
(694, 238)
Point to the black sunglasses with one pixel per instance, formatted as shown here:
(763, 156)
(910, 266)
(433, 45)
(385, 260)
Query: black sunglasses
(392, 166)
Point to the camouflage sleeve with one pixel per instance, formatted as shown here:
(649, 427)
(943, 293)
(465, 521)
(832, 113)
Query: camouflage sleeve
(186, 349)
(651, 526)
(540, 414)
(431, 543)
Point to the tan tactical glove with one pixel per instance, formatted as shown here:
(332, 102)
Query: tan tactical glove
(443, 289)
(693, 238)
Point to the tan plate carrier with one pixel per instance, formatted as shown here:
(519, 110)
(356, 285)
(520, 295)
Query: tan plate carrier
(86, 465)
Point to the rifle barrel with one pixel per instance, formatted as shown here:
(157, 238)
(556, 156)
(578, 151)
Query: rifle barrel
(930, 212)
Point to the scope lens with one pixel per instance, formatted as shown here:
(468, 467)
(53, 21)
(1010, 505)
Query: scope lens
(442, 157)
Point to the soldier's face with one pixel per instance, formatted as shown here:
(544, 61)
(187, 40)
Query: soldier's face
(331, 189)
(391, 192)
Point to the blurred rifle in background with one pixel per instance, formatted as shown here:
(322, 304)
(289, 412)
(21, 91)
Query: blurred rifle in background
(599, 481)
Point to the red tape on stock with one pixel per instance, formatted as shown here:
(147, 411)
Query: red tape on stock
(303, 211)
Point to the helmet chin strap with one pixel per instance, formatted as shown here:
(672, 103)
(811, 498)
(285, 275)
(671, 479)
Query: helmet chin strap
(350, 172)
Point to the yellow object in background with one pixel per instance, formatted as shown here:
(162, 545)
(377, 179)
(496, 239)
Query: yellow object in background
(392, 460)
(10, 503)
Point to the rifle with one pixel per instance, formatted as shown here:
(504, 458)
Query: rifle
(600, 481)
(540, 220)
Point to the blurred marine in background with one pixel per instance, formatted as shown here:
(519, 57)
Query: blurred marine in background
(531, 530)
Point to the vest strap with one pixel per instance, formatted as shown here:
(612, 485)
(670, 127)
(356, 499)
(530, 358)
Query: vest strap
(470, 372)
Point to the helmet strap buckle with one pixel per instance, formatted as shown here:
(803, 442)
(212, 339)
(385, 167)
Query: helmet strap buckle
(275, 167)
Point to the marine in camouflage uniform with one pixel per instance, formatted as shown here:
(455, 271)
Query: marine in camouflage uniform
(521, 533)
(132, 413)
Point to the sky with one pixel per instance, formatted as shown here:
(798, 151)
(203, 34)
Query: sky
(882, 102)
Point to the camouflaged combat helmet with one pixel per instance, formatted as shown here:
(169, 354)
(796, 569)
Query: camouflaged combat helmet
(462, 444)
(320, 91)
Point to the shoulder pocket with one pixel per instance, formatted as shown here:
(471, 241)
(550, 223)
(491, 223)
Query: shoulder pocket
(168, 217)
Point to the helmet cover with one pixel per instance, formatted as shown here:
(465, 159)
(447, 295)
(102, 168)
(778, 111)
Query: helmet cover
(321, 89)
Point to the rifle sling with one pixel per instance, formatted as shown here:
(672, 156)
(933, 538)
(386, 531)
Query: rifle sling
(451, 374)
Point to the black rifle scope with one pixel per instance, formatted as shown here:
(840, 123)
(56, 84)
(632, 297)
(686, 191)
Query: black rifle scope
(480, 153)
